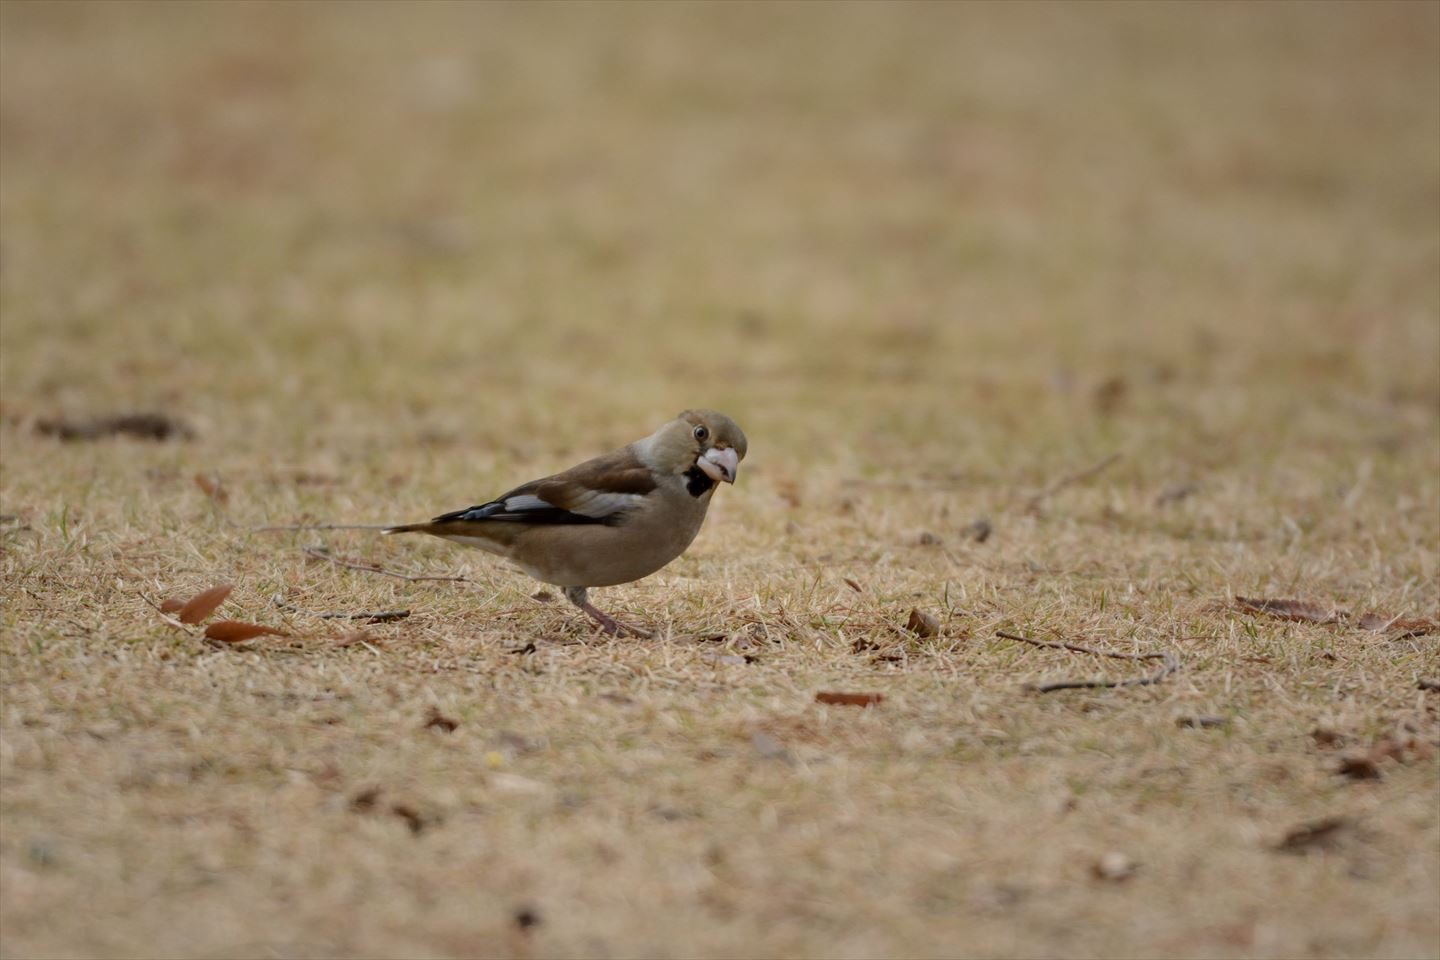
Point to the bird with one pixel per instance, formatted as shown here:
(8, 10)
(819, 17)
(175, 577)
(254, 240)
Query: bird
(611, 520)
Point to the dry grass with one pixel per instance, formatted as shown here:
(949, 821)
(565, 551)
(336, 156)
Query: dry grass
(389, 260)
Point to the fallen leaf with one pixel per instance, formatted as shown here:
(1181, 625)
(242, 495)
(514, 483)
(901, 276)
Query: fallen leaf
(978, 530)
(1297, 610)
(365, 800)
(407, 813)
(853, 585)
(234, 631)
(438, 721)
(200, 606)
(1316, 835)
(144, 426)
(213, 488)
(1175, 493)
(1359, 767)
(171, 604)
(1110, 394)
(922, 624)
(1403, 626)
(1114, 867)
(850, 699)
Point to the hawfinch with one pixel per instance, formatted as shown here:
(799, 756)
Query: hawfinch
(610, 520)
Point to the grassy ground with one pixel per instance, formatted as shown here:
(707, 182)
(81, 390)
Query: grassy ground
(388, 261)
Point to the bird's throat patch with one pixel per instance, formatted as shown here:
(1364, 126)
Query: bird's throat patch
(698, 482)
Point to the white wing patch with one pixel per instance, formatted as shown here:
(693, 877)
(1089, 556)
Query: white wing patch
(599, 503)
(593, 503)
(527, 501)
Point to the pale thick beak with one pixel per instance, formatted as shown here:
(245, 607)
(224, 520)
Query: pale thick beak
(719, 464)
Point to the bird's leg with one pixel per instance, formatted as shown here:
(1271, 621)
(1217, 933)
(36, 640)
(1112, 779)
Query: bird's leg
(608, 624)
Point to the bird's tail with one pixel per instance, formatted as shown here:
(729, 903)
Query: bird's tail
(408, 528)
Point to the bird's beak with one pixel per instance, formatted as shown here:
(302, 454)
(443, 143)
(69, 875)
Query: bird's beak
(719, 463)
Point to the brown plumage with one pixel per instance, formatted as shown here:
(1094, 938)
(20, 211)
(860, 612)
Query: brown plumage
(610, 520)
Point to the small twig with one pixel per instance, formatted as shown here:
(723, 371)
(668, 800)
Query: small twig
(319, 526)
(1169, 663)
(377, 616)
(373, 616)
(1033, 504)
(375, 568)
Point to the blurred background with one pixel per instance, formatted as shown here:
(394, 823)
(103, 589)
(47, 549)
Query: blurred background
(486, 223)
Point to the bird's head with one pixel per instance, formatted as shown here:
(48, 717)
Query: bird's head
(700, 439)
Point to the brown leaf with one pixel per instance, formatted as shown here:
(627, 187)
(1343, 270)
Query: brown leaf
(1403, 626)
(200, 606)
(1316, 835)
(438, 721)
(1109, 394)
(853, 585)
(922, 624)
(1175, 493)
(145, 426)
(1359, 767)
(849, 699)
(978, 530)
(365, 800)
(1297, 610)
(412, 818)
(212, 486)
(234, 631)
(171, 604)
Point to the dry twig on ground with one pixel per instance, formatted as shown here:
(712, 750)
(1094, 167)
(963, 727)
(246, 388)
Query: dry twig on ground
(376, 568)
(1169, 663)
(1036, 500)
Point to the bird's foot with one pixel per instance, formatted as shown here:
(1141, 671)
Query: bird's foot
(608, 624)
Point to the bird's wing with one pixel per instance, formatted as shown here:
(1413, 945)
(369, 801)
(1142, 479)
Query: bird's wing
(602, 490)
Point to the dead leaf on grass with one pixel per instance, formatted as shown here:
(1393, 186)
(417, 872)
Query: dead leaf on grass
(1109, 394)
(1403, 626)
(212, 487)
(1316, 835)
(1359, 767)
(849, 699)
(852, 585)
(978, 530)
(1298, 610)
(410, 815)
(1175, 493)
(200, 606)
(922, 624)
(143, 426)
(234, 631)
(436, 720)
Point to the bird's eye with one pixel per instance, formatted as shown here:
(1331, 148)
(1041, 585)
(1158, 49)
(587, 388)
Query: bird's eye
(701, 433)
